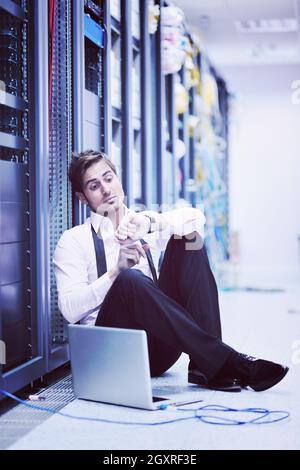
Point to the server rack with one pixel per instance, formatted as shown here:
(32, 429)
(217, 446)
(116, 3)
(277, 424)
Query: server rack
(158, 117)
(219, 242)
(194, 138)
(115, 103)
(213, 190)
(224, 163)
(22, 318)
(126, 96)
(183, 135)
(146, 109)
(93, 76)
(191, 148)
(181, 182)
(60, 150)
(89, 49)
(214, 169)
(78, 54)
(126, 72)
(172, 135)
(137, 160)
(137, 195)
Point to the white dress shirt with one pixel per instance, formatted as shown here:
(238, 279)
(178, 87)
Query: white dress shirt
(80, 291)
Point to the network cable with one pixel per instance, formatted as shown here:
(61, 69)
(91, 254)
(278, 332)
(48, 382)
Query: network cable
(265, 416)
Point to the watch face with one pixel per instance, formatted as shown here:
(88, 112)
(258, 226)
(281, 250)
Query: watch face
(152, 221)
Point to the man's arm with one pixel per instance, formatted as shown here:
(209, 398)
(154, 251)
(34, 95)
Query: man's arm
(178, 221)
(162, 225)
(76, 297)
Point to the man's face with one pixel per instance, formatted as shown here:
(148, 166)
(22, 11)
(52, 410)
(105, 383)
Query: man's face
(101, 189)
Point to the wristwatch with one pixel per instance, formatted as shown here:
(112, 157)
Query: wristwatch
(152, 222)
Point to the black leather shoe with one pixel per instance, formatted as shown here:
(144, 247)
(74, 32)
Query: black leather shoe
(221, 384)
(257, 374)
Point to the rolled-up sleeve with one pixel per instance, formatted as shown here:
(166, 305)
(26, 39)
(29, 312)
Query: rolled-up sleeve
(77, 298)
(178, 222)
(185, 220)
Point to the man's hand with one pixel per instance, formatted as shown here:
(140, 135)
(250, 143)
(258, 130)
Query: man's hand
(129, 255)
(132, 227)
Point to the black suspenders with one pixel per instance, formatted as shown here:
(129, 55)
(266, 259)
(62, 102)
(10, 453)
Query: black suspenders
(101, 260)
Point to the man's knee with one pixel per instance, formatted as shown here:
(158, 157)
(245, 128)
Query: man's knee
(130, 275)
(189, 242)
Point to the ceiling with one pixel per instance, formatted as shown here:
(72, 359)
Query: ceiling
(215, 22)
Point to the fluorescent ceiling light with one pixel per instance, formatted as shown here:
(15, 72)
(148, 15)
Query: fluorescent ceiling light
(275, 25)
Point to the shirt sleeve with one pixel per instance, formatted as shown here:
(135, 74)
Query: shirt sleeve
(179, 222)
(77, 298)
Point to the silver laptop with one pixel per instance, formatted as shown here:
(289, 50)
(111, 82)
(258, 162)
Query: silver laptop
(111, 365)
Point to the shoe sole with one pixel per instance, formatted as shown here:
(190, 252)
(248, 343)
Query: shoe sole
(231, 388)
(269, 383)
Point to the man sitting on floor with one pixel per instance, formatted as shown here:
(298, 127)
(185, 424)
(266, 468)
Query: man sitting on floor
(106, 275)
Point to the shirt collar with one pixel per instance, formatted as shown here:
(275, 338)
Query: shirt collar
(98, 220)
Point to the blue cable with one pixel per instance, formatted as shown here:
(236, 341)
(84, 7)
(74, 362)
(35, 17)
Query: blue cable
(205, 418)
(264, 412)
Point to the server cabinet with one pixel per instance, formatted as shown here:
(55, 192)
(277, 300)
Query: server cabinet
(191, 146)
(183, 135)
(118, 121)
(93, 76)
(59, 208)
(223, 230)
(180, 152)
(171, 120)
(137, 193)
(211, 155)
(22, 320)
(178, 157)
(147, 153)
(129, 63)
(194, 91)
(158, 116)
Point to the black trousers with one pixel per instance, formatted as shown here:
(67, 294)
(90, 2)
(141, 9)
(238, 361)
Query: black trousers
(180, 314)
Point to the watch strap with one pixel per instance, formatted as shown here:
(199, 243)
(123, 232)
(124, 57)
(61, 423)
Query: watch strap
(152, 222)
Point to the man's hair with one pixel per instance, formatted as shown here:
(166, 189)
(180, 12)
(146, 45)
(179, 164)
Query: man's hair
(81, 162)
